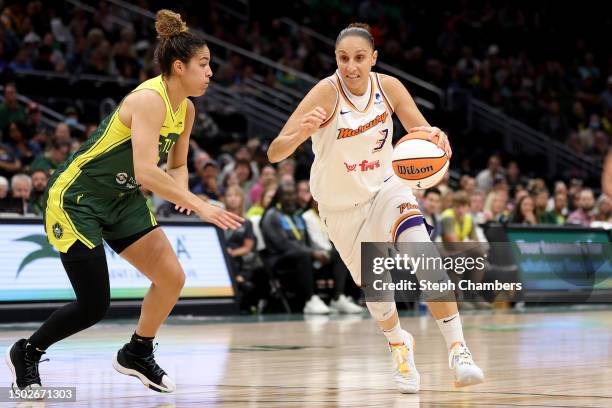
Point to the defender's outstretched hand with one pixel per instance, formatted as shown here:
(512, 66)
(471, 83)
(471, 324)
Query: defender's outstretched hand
(218, 216)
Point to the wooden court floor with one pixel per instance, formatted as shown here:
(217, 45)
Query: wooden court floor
(543, 359)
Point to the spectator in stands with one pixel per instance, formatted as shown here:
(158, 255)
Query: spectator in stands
(288, 248)
(458, 227)
(264, 201)
(286, 167)
(484, 179)
(243, 154)
(513, 175)
(207, 185)
(72, 117)
(266, 177)
(447, 199)
(62, 132)
(244, 173)
(575, 187)
(584, 214)
(457, 221)
(558, 214)
(524, 213)
(256, 212)
(540, 201)
(241, 244)
(10, 109)
(560, 187)
(18, 139)
(604, 209)
(230, 179)
(18, 202)
(9, 163)
(498, 211)
(467, 184)
(56, 154)
(4, 188)
(39, 185)
(304, 197)
(431, 211)
(554, 123)
(317, 233)
(477, 201)
(36, 127)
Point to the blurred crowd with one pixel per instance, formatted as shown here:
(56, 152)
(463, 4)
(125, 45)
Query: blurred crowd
(518, 57)
(284, 242)
(469, 48)
(542, 63)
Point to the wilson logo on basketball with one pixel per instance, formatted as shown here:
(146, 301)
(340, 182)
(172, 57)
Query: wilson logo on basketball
(414, 170)
(344, 133)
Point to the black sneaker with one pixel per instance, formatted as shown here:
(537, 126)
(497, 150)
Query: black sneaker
(22, 359)
(144, 368)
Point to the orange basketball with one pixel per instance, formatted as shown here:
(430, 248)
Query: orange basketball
(418, 161)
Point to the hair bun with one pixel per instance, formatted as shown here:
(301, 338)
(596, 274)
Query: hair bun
(363, 26)
(168, 24)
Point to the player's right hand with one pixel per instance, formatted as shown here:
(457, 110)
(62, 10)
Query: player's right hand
(218, 216)
(312, 120)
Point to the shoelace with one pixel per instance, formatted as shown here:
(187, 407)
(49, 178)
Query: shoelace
(459, 355)
(31, 369)
(400, 354)
(151, 364)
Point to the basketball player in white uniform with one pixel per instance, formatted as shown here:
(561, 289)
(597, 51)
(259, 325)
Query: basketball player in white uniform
(348, 116)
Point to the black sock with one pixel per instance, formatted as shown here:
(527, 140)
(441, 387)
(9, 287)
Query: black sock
(141, 346)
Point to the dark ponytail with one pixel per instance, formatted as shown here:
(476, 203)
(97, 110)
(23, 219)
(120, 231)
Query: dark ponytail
(176, 40)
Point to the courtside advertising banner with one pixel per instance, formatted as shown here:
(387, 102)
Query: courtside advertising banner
(31, 270)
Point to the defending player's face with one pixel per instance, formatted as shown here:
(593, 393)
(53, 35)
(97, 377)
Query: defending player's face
(355, 58)
(197, 73)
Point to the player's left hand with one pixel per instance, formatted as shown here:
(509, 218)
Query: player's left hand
(437, 136)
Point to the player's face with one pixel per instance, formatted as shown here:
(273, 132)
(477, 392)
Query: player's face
(355, 58)
(197, 73)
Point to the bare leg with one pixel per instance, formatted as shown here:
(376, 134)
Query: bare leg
(155, 258)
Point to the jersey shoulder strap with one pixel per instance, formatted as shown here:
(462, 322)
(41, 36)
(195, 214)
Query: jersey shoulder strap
(333, 115)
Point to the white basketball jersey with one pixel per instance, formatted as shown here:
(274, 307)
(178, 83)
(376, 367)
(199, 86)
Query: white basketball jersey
(352, 148)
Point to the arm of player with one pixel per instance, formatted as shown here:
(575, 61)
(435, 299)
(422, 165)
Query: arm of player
(147, 111)
(409, 114)
(314, 109)
(177, 157)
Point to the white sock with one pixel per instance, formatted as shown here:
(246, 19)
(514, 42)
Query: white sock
(451, 329)
(395, 335)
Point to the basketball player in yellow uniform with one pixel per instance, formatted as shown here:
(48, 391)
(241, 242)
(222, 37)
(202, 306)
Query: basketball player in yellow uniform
(95, 196)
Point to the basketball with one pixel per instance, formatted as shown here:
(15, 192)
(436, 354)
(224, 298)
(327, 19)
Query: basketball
(418, 161)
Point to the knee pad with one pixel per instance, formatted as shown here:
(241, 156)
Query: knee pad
(381, 311)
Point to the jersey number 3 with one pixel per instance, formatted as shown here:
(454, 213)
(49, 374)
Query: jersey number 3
(380, 143)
